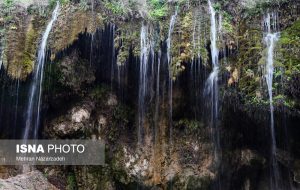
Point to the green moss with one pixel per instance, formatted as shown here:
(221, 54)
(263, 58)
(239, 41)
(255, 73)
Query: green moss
(21, 45)
(181, 43)
(289, 52)
(127, 39)
(159, 9)
(257, 7)
(71, 182)
(249, 60)
(204, 54)
(227, 23)
(30, 50)
(8, 6)
(52, 3)
(115, 7)
(72, 21)
(123, 55)
(217, 6)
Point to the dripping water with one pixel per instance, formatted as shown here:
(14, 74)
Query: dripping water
(143, 78)
(34, 102)
(195, 68)
(194, 43)
(1, 57)
(211, 86)
(16, 105)
(169, 40)
(270, 39)
(112, 31)
(92, 35)
(156, 115)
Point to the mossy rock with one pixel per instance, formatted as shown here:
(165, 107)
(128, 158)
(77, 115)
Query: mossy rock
(21, 46)
(72, 21)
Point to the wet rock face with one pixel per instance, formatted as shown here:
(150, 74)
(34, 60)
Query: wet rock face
(80, 114)
(8, 171)
(75, 72)
(186, 164)
(290, 162)
(248, 156)
(76, 121)
(31, 180)
(151, 165)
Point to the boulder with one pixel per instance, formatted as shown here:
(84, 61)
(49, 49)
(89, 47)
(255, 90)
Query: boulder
(31, 180)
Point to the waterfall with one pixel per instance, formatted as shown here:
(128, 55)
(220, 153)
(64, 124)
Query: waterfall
(211, 85)
(169, 40)
(270, 40)
(112, 69)
(157, 102)
(171, 28)
(1, 56)
(16, 104)
(143, 79)
(92, 35)
(34, 101)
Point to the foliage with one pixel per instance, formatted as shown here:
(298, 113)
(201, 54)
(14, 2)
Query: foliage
(250, 49)
(289, 51)
(8, 3)
(100, 92)
(181, 48)
(71, 182)
(260, 6)
(115, 7)
(84, 5)
(288, 59)
(217, 7)
(126, 40)
(158, 9)
(188, 124)
(52, 3)
(7, 9)
(226, 23)
(122, 114)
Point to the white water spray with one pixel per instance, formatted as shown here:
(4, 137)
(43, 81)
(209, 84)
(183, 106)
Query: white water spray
(169, 40)
(143, 79)
(34, 102)
(171, 28)
(211, 86)
(157, 91)
(270, 40)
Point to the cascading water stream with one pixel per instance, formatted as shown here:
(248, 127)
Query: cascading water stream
(92, 35)
(143, 78)
(157, 102)
(169, 40)
(270, 40)
(211, 85)
(112, 69)
(1, 56)
(16, 105)
(34, 102)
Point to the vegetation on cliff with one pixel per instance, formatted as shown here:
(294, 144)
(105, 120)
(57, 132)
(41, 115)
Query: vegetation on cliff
(190, 40)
